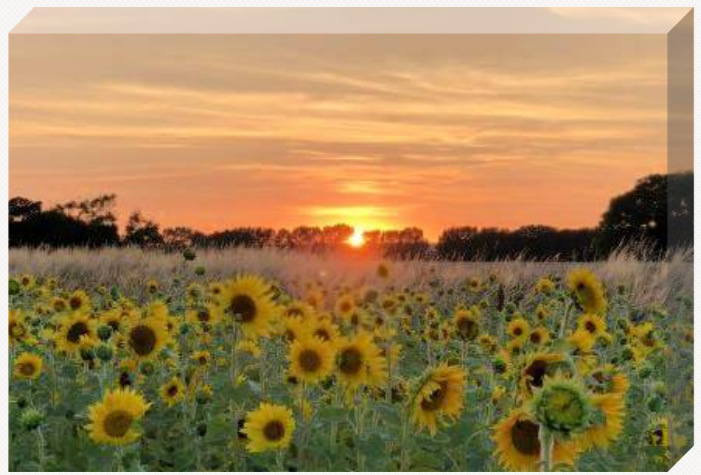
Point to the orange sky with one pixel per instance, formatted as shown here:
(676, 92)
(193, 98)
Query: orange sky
(383, 131)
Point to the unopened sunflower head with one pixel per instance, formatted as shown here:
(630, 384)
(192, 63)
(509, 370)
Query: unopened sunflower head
(563, 406)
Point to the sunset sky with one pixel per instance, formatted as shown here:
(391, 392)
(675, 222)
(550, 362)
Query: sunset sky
(217, 131)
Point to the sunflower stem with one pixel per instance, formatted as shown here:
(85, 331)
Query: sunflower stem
(563, 324)
(546, 449)
(234, 365)
(41, 448)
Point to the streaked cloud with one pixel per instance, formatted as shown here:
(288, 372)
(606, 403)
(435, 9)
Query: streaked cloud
(400, 130)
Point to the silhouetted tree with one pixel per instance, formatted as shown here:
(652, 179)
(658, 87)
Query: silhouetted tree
(142, 232)
(22, 208)
(640, 215)
(179, 238)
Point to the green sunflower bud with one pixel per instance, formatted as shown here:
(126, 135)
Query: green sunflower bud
(31, 419)
(104, 352)
(656, 403)
(189, 254)
(562, 406)
(200, 270)
(104, 332)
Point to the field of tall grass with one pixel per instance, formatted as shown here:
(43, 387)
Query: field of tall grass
(241, 359)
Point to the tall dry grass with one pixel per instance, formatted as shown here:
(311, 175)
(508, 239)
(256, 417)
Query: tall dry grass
(129, 268)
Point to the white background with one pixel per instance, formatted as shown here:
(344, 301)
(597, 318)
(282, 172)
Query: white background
(12, 12)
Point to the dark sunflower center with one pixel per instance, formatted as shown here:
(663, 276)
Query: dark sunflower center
(355, 320)
(25, 281)
(59, 305)
(274, 431)
(117, 423)
(75, 302)
(142, 340)
(346, 307)
(114, 324)
(323, 334)
(203, 316)
(590, 327)
(26, 368)
(536, 338)
(518, 331)
(202, 360)
(173, 390)
(536, 371)
(294, 312)
(309, 360)
(243, 308)
(351, 361)
(77, 330)
(524, 437)
(467, 328)
(581, 286)
(434, 401)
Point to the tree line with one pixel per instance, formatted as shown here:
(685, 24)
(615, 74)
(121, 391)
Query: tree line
(642, 215)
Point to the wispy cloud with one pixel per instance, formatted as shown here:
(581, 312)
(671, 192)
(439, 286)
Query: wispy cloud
(461, 129)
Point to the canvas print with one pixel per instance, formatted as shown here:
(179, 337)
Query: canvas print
(350, 252)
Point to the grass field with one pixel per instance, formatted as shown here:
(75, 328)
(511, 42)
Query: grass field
(264, 360)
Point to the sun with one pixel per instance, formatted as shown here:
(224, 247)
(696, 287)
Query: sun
(357, 239)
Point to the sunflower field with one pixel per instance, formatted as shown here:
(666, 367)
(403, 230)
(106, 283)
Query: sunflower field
(564, 369)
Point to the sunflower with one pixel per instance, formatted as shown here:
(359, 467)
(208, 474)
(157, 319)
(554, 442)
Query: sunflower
(582, 341)
(344, 306)
(294, 328)
(536, 367)
(202, 357)
(539, 336)
(439, 395)
(247, 301)
(593, 324)
(359, 361)
(79, 301)
(299, 310)
(518, 445)
(542, 313)
(606, 380)
(563, 406)
(358, 318)
(203, 315)
(466, 324)
(113, 419)
(518, 328)
(601, 433)
(311, 359)
(18, 326)
(270, 427)
(544, 286)
(325, 329)
(488, 342)
(27, 366)
(59, 304)
(658, 432)
(147, 337)
(172, 392)
(27, 281)
(587, 290)
(389, 304)
(75, 328)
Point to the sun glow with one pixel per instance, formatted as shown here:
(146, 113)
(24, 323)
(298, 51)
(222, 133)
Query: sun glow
(357, 239)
